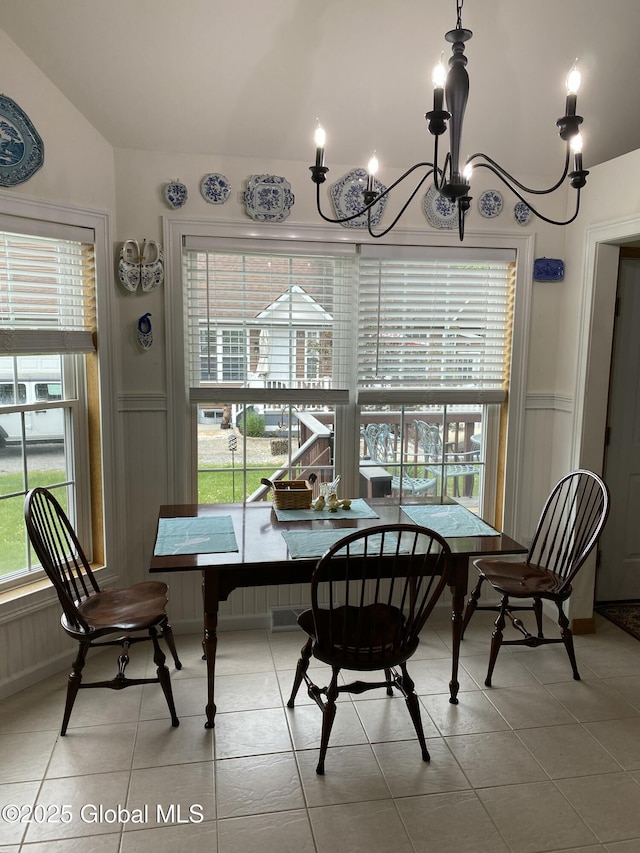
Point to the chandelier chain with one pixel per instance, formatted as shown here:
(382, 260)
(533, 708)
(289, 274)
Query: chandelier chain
(459, 5)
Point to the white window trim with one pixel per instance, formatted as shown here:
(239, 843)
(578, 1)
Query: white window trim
(181, 423)
(34, 594)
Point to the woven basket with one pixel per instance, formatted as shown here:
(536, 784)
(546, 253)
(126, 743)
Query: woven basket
(292, 494)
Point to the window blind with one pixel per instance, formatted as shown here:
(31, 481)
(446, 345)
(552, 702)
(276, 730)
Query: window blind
(434, 329)
(47, 295)
(268, 324)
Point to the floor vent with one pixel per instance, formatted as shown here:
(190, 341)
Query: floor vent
(285, 618)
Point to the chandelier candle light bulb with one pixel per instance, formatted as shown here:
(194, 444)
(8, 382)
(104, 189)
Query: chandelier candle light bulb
(320, 138)
(372, 168)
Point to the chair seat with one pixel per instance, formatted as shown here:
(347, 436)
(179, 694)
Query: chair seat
(380, 624)
(133, 608)
(521, 580)
(414, 485)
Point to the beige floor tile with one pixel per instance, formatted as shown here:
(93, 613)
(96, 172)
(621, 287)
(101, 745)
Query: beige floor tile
(456, 823)
(609, 805)
(94, 843)
(38, 709)
(25, 756)
(281, 832)
(178, 793)
(621, 738)
(511, 673)
(305, 724)
(549, 664)
(352, 775)
(607, 661)
(534, 817)
(627, 686)
(567, 751)
(592, 700)
(23, 795)
(251, 733)
(196, 838)
(433, 676)
(246, 693)
(495, 758)
(93, 803)
(474, 713)
(159, 744)
(189, 696)
(101, 707)
(432, 645)
(85, 750)
(525, 707)
(388, 719)
(408, 775)
(373, 827)
(258, 784)
(631, 846)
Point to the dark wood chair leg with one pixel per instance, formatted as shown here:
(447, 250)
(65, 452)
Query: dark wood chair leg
(73, 685)
(567, 638)
(301, 668)
(389, 677)
(472, 604)
(328, 716)
(164, 677)
(537, 609)
(496, 640)
(167, 634)
(413, 705)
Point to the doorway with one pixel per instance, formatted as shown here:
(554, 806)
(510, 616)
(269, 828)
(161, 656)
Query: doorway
(618, 573)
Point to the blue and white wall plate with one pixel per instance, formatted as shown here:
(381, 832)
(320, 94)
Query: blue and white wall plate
(548, 269)
(490, 203)
(522, 213)
(21, 148)
(175, 194)
(440, 211)
(215, 188)
(348, 198)
(268, 198)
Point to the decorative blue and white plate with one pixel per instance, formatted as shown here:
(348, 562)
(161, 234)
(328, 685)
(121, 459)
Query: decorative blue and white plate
(441, 212)
(268, 198)
(522, 213)
(347, 195)
(215, 188)
(21, 148)
(490, 203)
(175, 194)
(548, 269)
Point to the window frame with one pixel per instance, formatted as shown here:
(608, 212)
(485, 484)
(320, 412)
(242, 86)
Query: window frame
(182, 424)
(31, 591)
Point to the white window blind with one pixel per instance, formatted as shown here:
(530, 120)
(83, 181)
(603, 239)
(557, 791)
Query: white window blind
(47, 295)
(434, 328)
(268, 324)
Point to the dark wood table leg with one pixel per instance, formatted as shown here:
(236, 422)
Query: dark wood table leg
(210, 601)
(458, 592)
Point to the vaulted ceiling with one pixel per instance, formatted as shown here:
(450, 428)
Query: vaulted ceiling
(249, 77)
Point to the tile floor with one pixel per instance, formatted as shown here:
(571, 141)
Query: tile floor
(536, 763)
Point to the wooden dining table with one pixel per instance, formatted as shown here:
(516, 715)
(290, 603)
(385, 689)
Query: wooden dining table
(263, 558)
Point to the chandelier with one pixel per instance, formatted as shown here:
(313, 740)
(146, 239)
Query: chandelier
(450, 180)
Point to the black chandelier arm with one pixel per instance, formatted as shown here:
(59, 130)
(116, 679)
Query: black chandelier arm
(404, 207)
(508, 179)
(526, 201)
(367, 207)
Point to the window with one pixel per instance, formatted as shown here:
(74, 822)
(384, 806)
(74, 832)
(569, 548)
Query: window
(321, 349)
(47, 320)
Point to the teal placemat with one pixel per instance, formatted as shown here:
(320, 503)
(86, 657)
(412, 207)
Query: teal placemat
(449, 520)
(359, 509)
(313, 543)
(201, 535)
